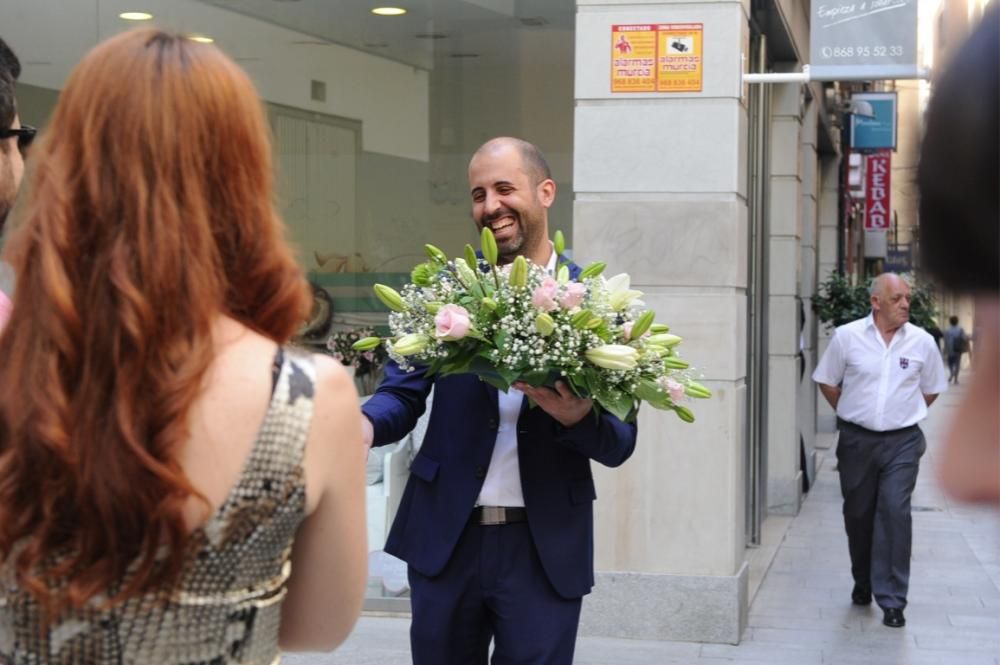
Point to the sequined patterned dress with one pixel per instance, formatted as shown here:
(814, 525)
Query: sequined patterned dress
(228, 606)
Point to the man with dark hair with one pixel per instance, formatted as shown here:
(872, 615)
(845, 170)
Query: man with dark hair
(14, 140)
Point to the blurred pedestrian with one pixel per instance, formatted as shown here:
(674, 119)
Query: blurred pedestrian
(178, 487)
(956, 342)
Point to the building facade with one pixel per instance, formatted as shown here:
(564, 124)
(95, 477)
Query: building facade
(722, 202)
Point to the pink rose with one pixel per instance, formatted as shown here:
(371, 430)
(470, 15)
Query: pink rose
(627, 330)
(573, 295)
(675, 389)
(452, 322)
(544, 297)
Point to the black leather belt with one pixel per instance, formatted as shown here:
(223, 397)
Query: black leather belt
(847, 424)
(491, 515)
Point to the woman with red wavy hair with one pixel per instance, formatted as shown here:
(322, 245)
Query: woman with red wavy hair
(175, 485)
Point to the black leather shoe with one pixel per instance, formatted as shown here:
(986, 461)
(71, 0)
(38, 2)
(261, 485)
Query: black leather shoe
(861, 595)
(894, 617)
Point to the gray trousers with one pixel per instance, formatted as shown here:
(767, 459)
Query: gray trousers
(878, 471)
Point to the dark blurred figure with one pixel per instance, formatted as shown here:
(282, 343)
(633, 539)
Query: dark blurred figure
(959, 180)
(956, 342)
(14, 142)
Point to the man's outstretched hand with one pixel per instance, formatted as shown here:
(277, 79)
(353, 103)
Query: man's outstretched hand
(560, 403)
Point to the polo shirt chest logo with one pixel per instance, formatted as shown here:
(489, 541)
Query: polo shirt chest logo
(904, 362)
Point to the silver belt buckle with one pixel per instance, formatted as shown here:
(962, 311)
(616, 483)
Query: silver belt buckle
(493, 515)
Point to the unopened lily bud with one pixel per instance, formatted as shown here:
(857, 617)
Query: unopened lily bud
(470, 257)
(407, 345)
(544, 324)
(465, 273)
(658, 328)
(490, 304)
(488, 243)
(642, 324)
(366, 343)
(613, 356)
(390, 298)
(665, 339)
(673, 362)
(436, 254)
(695, 389)
(562, 275)
(593, 270)
(519, 272)
(559, 241)
(433, 306)
(580, 319)
(684, 413)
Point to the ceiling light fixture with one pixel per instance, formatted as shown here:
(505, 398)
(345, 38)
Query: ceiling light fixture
(201, 39)
(388, 11)
(135, 16)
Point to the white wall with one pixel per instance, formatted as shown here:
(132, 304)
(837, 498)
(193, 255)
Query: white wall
(390, 99)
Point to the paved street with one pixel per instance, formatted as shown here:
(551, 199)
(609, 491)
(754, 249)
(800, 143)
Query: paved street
(802, 614)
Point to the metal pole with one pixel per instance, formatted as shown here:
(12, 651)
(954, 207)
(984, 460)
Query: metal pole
(805, 76)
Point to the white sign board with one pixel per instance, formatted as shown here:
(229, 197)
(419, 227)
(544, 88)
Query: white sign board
(863, 39)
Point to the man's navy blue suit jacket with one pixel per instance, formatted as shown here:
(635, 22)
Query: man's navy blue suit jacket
(448, 472)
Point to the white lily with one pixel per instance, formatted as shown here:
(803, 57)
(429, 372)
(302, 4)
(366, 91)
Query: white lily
(613, 356)
(620, 293)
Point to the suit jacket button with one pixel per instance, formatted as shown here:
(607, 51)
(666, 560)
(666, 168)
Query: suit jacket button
(480, 472)
(493, 423)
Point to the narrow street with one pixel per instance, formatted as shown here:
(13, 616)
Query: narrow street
(802, 613)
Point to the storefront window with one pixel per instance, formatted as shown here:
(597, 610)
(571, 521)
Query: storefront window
(374, 120)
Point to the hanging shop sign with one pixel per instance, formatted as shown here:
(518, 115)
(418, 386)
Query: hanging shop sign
(657, 57)
(876, 129)
(878, 190)
(863, 39)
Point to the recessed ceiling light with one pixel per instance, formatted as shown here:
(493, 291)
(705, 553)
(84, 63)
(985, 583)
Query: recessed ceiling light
(135, 16)
(389, 11)
(201, 39)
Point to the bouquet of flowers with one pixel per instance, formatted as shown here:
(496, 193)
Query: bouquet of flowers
(517, 323)
(366, 363)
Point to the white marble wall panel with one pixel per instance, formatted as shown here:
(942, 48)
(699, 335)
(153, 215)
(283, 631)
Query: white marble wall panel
(658, 146)
(723, 26)
(783, 459)
(677, 503)
(785, 155)
(783, 265)
(783, 328)
(676, 242)
(784, 206)
(713, 325)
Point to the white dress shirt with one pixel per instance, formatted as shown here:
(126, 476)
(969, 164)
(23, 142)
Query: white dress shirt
(882, 385)
(502, 486)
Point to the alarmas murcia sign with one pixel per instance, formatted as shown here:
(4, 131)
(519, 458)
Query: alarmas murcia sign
(656, 57)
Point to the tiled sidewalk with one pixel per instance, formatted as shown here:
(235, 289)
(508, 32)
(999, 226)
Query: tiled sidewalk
(802, 614)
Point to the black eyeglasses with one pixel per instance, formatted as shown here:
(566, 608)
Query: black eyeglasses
(25, 135)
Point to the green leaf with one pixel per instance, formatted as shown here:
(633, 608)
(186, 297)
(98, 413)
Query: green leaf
(621, 407)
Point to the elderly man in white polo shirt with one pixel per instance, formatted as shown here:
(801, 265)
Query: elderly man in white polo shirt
(880, 374)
